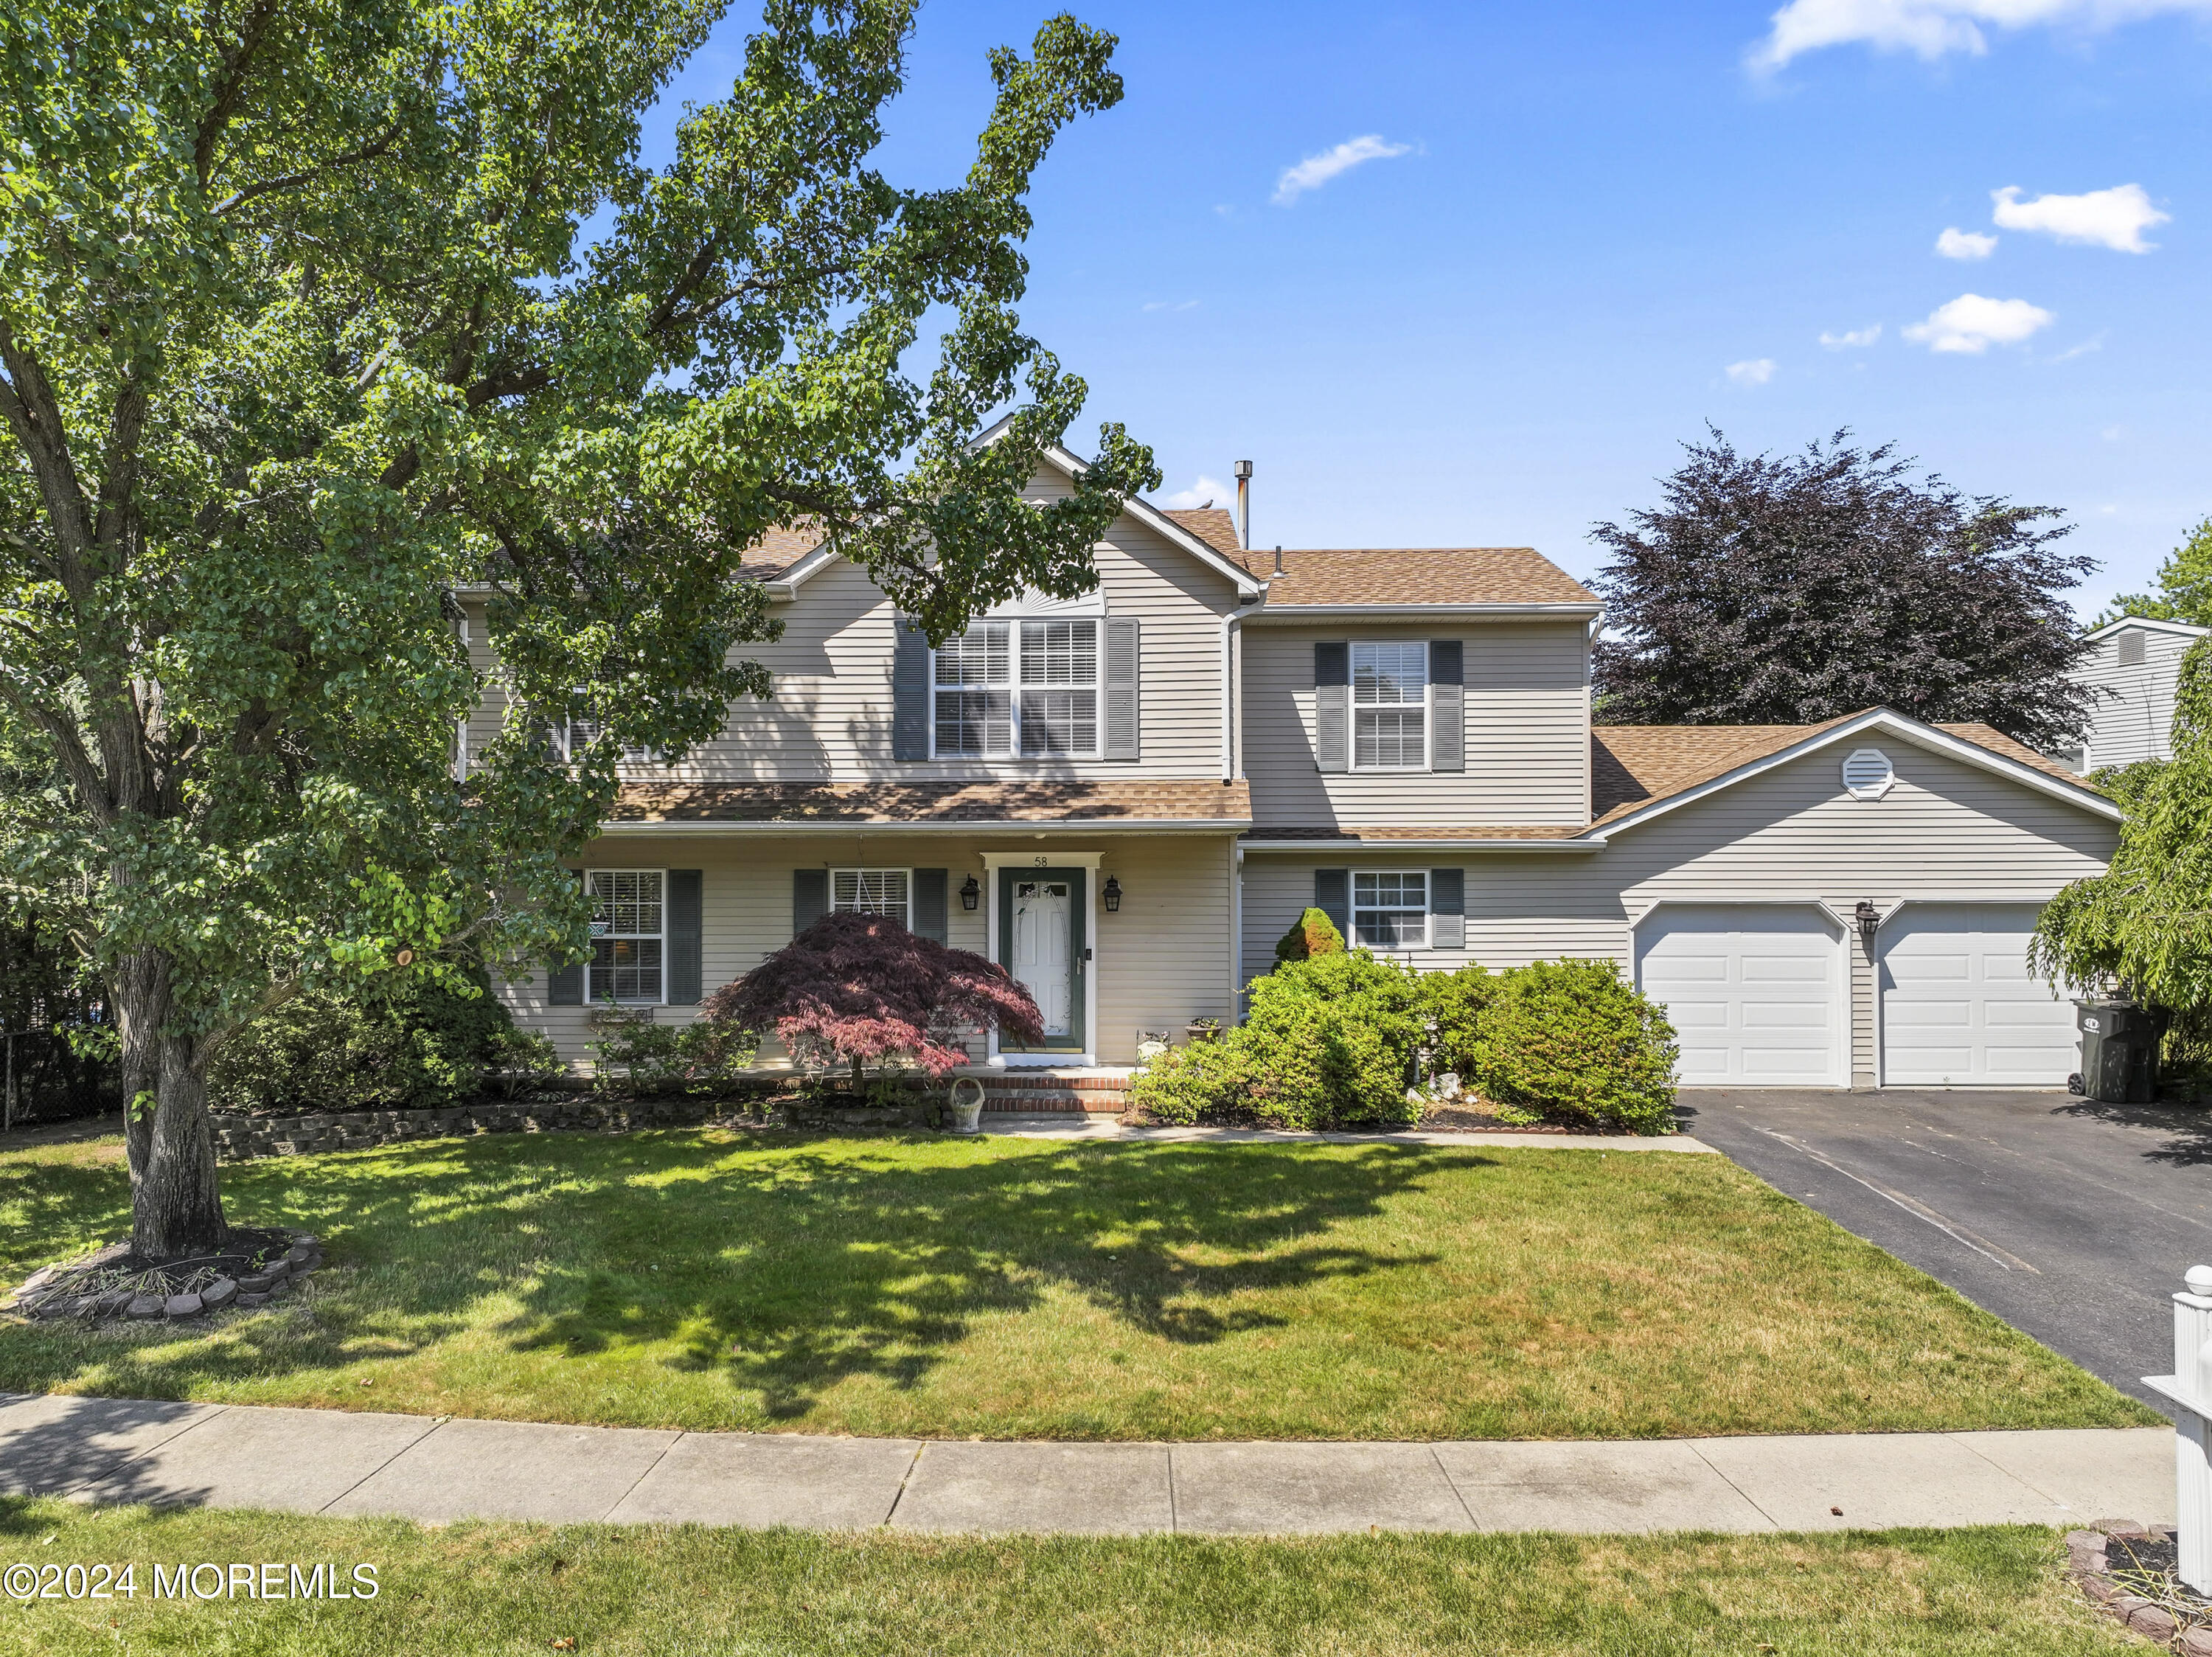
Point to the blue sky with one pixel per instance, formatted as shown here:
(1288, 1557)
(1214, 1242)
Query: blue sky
(1501, 330)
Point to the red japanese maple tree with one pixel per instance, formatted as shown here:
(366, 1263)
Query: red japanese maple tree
(861, 989)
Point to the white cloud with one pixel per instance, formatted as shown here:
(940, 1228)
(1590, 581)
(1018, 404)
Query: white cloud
(1315, 171)
(2114, 434)
(1972, 324)
(1756, 372)
(1933, 28)
(1170, 305)
(1853, 340)
(1955, 243)
(1202, 492)
(2114, 218)
(2095, 342)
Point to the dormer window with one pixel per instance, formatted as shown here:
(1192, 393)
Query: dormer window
(1009, 689)
(1389, 706)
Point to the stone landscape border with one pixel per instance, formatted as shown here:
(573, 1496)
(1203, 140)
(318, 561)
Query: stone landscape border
(36, 1296)
(2088, 1560)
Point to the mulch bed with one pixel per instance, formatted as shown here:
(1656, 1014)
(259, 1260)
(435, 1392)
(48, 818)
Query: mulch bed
(2129, 1570)
(256, 1264)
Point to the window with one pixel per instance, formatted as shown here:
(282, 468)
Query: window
(1391, 909)
(870, 892)
(975, 697)
(626, 934)
(1006, 688)
(1389, 707)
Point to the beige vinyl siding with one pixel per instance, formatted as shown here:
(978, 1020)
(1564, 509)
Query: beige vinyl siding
(2136, 721)
(1947, 830)
(1528, 732)
(1160, 961)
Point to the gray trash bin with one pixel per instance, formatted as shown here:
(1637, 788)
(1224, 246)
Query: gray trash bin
(2119, 1051)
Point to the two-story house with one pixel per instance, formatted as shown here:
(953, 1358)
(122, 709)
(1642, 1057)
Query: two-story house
(2134, 665)
(1127, 798)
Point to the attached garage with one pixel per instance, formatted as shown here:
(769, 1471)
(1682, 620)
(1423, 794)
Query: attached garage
(1757, 993)
(1959, 1006)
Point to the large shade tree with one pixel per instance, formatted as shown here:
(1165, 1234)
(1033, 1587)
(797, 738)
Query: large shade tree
(302, 335)
(1789, 589)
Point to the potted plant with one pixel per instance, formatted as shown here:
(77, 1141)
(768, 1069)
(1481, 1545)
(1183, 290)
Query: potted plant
(1203, 1029)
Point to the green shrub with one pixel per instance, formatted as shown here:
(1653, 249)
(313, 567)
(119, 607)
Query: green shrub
(411, 1046)
(522, 1060)
(1455, 1003)
(1330, 1041)
(1571, 1038)
(1312, 934)
(636, 1053)
(1200, 1081)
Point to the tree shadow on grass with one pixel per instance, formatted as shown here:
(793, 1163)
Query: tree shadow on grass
(790, 1265)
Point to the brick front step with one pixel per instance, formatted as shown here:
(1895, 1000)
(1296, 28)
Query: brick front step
(1035, 1093)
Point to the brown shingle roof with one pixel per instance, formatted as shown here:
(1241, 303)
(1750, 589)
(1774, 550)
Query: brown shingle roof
(800, 804)
(1632, 766)
(1216, 527)
(1419, 575)
(777, 550)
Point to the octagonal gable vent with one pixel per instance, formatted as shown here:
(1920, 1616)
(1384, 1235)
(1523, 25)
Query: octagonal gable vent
(1868, 774)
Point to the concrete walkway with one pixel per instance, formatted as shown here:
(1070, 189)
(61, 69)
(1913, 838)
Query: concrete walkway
(436, 1470)
(1064, 1126)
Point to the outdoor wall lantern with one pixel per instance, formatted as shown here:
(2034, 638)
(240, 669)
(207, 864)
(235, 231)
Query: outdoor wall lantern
(970, 893)
(1868, 918)
(1111, 892)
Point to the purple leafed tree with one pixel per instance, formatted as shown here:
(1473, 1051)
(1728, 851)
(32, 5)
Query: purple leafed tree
(861, 989)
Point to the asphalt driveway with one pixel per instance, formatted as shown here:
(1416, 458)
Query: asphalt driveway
(2069, 1220)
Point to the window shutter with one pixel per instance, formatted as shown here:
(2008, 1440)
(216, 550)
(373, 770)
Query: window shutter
(686, 927)
(929, 908)
(1332, 897)
(564, 985)
(909, 691)
(810, 898)
(1447, 706)
(1333, 707)
(1121, 687)
(1447, 909)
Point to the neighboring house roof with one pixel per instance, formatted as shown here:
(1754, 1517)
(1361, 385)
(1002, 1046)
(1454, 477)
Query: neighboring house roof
(926, 805)
(1416, 576)
(2150, 625)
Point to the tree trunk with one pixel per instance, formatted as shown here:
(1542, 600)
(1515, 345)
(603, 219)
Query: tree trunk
(176, 1203)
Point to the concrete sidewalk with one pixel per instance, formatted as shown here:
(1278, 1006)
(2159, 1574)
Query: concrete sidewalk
(325, 1461)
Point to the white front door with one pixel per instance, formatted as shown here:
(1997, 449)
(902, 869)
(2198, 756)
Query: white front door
(1959, 1006)
(1044, 961)
(1755, 992)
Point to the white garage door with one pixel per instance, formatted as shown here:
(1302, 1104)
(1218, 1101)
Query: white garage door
(1959, 1007)
(1756, 992)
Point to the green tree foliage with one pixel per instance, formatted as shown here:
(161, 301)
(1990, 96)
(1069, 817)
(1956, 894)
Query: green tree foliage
(1784, 591)
(2185, 586)
(1312, 934)
(2145, 925)
(300, 337)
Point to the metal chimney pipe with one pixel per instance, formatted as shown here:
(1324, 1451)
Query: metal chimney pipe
(1279, 557)
(1244, 504)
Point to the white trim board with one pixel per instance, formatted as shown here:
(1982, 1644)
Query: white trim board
(2182, 628)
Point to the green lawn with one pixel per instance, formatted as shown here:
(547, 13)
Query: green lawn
(1005, 1287)
(512, 1588)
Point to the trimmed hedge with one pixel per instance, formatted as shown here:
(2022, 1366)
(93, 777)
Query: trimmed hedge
(1335, 1041)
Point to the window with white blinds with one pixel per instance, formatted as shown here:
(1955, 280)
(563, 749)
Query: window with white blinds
(1006, 689)
(1389, 707)
(885, 892)
(629, 934)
